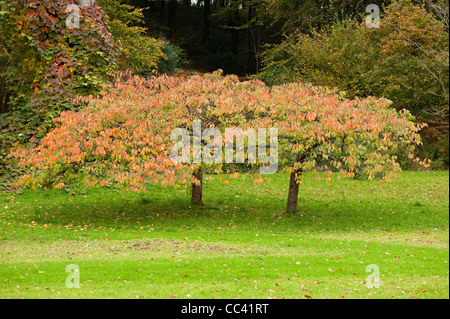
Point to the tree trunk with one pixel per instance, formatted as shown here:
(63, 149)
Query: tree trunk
(4, 99)
(197, 190)
(206, 14)
(151, 5)
(234, 21)
(161, 9)
(251, 42)
(292, 205)
(171, 21)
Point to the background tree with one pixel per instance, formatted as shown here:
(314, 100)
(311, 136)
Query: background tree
(137, 51)
(48, 64)
(4, 88)
(44, 64)
(406, 60)
(307, 15)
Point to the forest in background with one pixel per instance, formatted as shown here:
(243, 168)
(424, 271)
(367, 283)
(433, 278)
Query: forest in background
(325, 43)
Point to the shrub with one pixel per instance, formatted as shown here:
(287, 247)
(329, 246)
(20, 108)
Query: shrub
(172, 60)
(137, 51)
(399, 61)
(405, 60)
(229, 62)
(49, 64)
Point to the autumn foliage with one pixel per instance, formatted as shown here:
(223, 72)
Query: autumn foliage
(123, 137)
(404, 60)
(53, 61)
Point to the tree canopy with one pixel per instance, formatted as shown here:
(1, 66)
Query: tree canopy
(124, 137)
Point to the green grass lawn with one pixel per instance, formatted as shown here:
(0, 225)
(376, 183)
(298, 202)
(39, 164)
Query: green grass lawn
(241, 244)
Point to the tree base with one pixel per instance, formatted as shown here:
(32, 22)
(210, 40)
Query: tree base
(197, 190)
(292, 204)
(194, 203)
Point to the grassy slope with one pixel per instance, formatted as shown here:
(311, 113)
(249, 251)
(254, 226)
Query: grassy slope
(239, 245)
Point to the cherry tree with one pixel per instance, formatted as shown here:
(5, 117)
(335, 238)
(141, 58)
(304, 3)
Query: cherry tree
(126, 136)
(321, 131)
(167, 130)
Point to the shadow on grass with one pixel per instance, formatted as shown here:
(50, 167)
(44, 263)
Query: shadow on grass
(322, 207)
